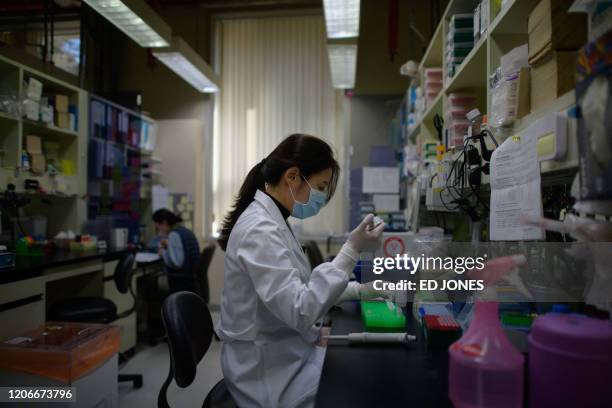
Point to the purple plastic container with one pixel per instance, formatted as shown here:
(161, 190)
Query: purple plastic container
(570, 361)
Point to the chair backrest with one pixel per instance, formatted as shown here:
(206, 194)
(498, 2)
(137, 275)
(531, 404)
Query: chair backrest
(201, 269)
(124, 272)
(189, 328)
(315, 257)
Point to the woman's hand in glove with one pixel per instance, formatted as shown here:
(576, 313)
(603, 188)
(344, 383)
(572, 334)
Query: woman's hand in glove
(365, 291)
(364, 239)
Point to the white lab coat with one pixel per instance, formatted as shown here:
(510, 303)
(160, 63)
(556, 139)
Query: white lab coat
(271, 301)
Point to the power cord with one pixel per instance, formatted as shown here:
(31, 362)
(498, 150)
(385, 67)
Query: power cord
(465, 171)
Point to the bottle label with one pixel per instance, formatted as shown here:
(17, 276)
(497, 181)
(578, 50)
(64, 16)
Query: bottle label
(472, 350)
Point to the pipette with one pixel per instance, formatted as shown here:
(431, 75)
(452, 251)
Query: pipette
(388, 338)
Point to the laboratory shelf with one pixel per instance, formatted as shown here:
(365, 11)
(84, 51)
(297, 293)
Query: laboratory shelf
(435, 50)
(426, 120)
(412, 135)
(507, 29)
(8, 118)
(435, 107)
(43, 129)
(512, 18)
(459, 7)
(473, 71)
(562, 103)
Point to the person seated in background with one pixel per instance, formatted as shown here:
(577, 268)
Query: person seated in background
(179, 248)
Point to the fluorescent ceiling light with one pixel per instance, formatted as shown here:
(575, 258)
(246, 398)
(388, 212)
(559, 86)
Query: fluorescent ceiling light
(188, 64)
(136, 19)
(343, 64)
(341, 18)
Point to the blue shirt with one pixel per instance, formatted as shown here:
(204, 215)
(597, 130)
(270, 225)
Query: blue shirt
(174, 255)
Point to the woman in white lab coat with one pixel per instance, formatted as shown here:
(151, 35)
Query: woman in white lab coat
(272, 300)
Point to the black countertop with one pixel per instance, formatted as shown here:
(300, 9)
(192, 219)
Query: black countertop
(27, 267)
(378, 375)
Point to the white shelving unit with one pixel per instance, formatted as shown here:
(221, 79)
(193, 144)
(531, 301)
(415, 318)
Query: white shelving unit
(72, 143)
(64, 192)
(507, 29)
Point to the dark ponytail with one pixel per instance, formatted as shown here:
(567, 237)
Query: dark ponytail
(308, 153)
(166, 215)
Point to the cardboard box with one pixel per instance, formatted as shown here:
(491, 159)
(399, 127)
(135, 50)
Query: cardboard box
(551, 77)
(551, 27)
(33, 144)
(62, 120)
(38, 163)
(60, 102)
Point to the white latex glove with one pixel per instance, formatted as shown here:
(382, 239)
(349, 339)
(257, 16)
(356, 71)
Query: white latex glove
(365, 291)
(362, 239)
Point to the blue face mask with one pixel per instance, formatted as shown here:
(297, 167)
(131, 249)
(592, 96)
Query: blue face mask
(316, 200)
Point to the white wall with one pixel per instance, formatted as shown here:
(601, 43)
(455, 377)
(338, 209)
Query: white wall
(180, 145)
(370, 118)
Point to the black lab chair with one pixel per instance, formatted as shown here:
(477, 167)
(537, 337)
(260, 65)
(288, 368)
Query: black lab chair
(189, 328)
(313, 253)
(101, 310)
(201, 270)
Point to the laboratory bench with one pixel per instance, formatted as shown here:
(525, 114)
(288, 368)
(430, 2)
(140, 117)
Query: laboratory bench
(374, 375)
(28, 289)
(27, 266)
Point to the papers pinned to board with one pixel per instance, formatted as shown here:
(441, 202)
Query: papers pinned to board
(515, 189)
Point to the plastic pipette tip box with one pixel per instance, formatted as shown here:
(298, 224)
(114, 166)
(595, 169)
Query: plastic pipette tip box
(378, 317)
(516, 320)
(440, 331)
